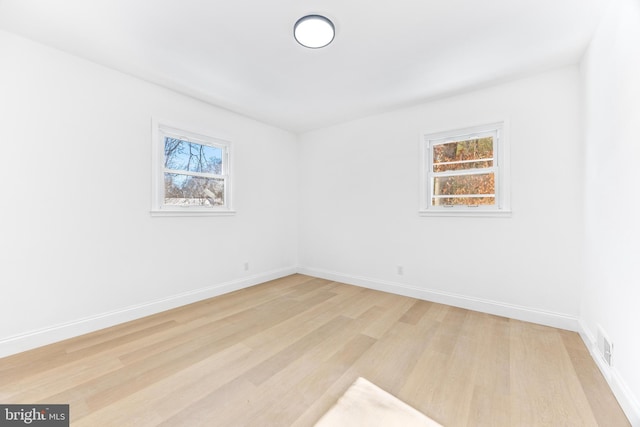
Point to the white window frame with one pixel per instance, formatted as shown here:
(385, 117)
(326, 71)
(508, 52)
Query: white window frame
(500, 168)
(163, 128)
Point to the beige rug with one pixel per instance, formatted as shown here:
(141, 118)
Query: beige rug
(364, 404)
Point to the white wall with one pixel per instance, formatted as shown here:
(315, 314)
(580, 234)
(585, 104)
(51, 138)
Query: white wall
(76, 237)
(359, 208)
(611, 295)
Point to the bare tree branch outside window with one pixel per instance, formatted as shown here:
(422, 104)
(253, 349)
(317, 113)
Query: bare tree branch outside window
(185, 162)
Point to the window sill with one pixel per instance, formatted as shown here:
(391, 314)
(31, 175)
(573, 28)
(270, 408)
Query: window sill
(466, 213)
(192, 212)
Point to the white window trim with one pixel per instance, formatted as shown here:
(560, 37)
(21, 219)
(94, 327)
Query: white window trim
(163, 127)
(501, 164)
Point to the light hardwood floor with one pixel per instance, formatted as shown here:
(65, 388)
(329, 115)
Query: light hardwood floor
(281, 353)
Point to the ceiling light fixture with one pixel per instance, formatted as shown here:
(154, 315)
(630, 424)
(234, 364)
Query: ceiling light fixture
(314, 31)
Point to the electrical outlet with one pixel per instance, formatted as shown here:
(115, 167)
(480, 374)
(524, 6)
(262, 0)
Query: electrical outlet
(246, 266)
(400, 270)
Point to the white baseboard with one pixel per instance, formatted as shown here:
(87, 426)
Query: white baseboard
(628, 402)
(527, 314)
(32, 339)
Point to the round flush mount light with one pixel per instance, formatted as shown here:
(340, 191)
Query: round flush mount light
(314, 31)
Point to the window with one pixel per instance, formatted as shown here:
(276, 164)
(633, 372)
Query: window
(190, 173)
(464, 172)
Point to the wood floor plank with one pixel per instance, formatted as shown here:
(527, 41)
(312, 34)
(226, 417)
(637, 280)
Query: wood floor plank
(417, 311)
(540, 362)
(491, 388)
(296, 379)
(279, 361)
(303, 393)
(171, 394)
(592, 381)
(281, 353)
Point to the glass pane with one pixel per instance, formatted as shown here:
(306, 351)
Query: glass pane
(464, 184)
(474, 201)
(186, 190)
(460, 155)
(191, 157)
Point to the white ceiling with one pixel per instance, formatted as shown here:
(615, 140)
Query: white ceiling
(240, 54)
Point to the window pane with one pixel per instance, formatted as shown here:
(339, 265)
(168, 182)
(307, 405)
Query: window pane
(479, 201)
(460, 155)
(186, 190)
(464, 184)
(192, 157)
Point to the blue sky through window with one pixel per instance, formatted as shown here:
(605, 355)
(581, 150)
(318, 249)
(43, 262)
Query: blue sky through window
(192, 157)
